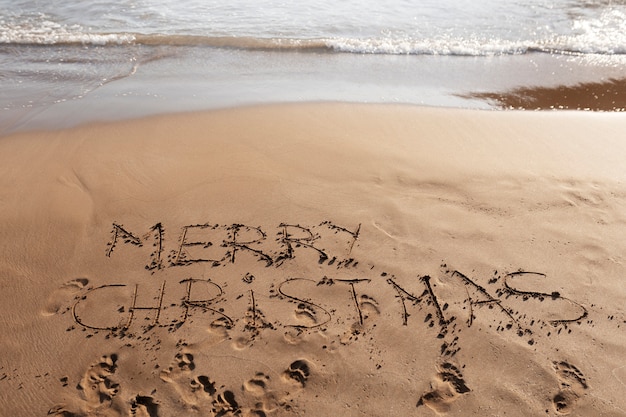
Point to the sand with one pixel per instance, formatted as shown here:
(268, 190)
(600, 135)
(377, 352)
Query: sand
(316, 260)
(609, 95)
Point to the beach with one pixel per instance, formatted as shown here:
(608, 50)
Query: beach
(315, 259)
(268, 209)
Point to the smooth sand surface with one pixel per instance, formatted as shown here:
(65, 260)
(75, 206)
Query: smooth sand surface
(316, 260)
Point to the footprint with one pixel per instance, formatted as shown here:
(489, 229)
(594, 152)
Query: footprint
(221, 326)
(298, 372)
(185, 361)
(97, 391)
(254, 323)
(569, 374)
(225, 404)
(144, 406)
(368, 306)
(203, 382)
(265, 399)
(97, 386)
(446, 386)
(62, 296)
(572, 383)
(197, 391)
(365, 306)
(257, 385)
(182, 362)
(222, 323)
(306, 314)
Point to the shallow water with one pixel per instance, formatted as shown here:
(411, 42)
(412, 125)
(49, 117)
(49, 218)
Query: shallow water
(67, 63)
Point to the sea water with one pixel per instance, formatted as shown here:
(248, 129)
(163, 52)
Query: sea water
(67, 62)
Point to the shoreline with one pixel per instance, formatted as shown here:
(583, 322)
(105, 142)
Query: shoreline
(114, 83)
(259, 260)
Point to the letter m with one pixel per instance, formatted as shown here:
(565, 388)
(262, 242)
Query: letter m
(155, 233)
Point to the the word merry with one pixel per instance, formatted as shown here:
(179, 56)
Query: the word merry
(217, 244)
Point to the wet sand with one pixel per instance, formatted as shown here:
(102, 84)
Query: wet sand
(595, 96)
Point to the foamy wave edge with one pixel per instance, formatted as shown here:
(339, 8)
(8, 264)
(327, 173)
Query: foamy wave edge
(381, 46)
(96, 39)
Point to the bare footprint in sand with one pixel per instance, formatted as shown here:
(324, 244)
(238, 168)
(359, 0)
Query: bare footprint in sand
(178, 373)
(196, 391)
(97, 390)
(298, 372)
(369, 306)
(62, 297)
(255, 322)
(182, 364)
(257, 385)
(225, 404)
(572, 383)
(447, 386)
(202, 382)
(266, 400)
(144, 406)
(97, 386)
(306, 314)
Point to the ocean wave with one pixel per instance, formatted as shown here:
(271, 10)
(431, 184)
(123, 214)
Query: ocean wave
(382, 46)
(557, 30)
(50, 33)
(449, 46)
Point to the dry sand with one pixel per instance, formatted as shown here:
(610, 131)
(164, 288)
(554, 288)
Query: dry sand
(316, 260)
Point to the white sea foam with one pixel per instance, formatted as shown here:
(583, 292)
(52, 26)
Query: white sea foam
(41, 30)
(605, 34)
(461, 47)
(434, 27)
